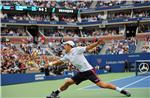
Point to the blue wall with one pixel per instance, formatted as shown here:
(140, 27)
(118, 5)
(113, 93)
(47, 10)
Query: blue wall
(115, 61)
(7, 79)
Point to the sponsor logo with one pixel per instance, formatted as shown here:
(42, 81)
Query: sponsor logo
(39, 76)
(144, 67)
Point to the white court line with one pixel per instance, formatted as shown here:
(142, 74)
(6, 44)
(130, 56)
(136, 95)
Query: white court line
(107, 81)
(135, 82)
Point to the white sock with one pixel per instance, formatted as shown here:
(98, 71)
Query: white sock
(59, 89)
(118, 89)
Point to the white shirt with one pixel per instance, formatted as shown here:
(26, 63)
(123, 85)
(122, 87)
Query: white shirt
(76, 57)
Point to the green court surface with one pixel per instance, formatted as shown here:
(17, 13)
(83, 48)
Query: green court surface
(42, 89)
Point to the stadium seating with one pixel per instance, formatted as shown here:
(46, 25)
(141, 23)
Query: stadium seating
(81, 21)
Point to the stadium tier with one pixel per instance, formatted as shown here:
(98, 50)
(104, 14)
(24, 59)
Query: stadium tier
(34, 28)
(32, 31)
(75, 40)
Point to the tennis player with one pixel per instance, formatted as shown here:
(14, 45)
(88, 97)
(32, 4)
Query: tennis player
(86, 72)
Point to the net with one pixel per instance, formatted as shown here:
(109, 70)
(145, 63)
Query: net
(142, 67)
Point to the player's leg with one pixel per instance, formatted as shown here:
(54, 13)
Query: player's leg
(94, 78)
(106, 85)
(77, 79)
(112, 86)
(67, 83)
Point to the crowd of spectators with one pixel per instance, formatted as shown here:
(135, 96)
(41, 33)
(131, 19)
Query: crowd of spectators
(47, 3)
(109, 3)
(141, 13)
(127, 14)
(67, 18)
(35, 57)
(26, 58)
(11, 31)
(13, 61)
(75, 4)
(101, 32)
(29, 57)
(115, 15)
(74, 19)
(83, 33)
(31, 48)
(61, 33)
(146, 45)
(38, 17)
(84, 4)
(89, 19)
(119, 15)
(26, 16)
(122, 46)
(42, 3)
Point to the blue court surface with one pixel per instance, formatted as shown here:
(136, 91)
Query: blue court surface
(128, 82)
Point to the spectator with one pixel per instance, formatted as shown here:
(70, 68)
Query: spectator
(146, 47)
(122, 46)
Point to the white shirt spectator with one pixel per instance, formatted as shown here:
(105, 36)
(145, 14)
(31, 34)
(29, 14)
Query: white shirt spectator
(79, 19)
(121, 51)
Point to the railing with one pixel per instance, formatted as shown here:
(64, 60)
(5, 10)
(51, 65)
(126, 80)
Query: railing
(75, 24)
(139, 36)
(117, 7)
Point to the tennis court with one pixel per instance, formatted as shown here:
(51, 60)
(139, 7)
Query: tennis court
(128, 82)
(139, 86)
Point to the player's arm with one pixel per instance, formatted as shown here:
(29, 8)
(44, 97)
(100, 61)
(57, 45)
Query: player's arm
(91, 46)
(57, 62)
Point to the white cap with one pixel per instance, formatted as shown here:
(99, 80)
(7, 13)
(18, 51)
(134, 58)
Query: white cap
(71, 43)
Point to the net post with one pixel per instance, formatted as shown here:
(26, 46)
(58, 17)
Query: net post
(136, 68)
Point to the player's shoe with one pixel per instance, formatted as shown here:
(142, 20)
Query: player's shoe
(53, 95)
(125, 92)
